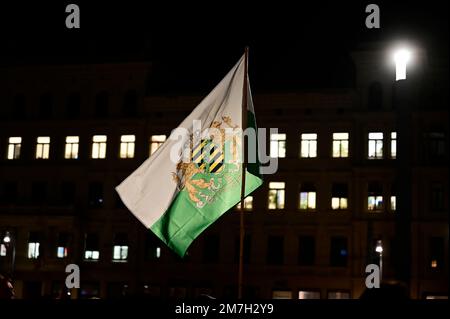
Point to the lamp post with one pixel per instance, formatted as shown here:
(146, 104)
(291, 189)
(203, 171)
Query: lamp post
(9, 242)
(379, 250)
(403, 104)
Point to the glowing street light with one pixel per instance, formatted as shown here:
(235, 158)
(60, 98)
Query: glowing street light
(401, 59)
(379, 250)
(7, 238)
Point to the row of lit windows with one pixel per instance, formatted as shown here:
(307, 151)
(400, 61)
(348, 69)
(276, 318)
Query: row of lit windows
(98, 150)
(91, 252)
(338, 250)
(307, 199)
(340, 145)
(308, 145)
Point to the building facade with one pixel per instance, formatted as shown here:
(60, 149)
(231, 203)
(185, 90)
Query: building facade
(70, 133)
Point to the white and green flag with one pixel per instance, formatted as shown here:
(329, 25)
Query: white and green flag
(196, 175)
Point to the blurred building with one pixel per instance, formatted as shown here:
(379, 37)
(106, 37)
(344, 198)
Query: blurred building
(70, 133)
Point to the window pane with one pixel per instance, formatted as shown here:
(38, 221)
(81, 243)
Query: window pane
(282, 294)
(280, 199)
(43, 139)
(313, 149)
(99, 138)
(116, 253)
(95, 150)
(15, 140)
(379, 149)
(394, 149)
(340, 136)
(278, 185)
(371, 148)
(102, 150)
(393, 202)
(336, 148)
(376, 136)
(123, 150)
(303, 200)
(303, 294)
(11, 151)
(309, 136)
(72, 139)
(344, 149)
(158, 138)
(338, 295)
(312, 200)
(282, 149)
(344, 203)
(127, 138)
(335, 203)
(272, 199)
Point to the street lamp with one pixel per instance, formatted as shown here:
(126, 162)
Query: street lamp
(401, 58)
(379, 250)
(8, 240)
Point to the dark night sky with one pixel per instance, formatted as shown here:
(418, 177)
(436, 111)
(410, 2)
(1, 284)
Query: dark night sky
(292, 46)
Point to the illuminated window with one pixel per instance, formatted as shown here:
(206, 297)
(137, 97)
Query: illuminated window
(339, 196)
(155, 142)
(14, 148)
(375, 145)
(248, 203)
(62, 249)
(434, 263)
(308, 146)
(127, 146)
(278, 145)
(120, 249)
(33, 245)
(99, 146)
(281, 294)
(393, 144)
(61, 252)
(375, 197)
(308, 294)
(340, 144)
(276, 195)
(152, 248)
(393, 203)
(91, 251)
(338, 295)
(42, 147)
(71, 151)
(307, 200)
(437, 253)
(393, 198)
(33, 250)
(2, 250)
(120, 253)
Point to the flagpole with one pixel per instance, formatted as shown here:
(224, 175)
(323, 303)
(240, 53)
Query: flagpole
(244, 168)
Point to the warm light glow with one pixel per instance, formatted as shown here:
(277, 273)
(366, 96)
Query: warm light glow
(7, 238)
(434, 263)
(401, 58)
(379, 247)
